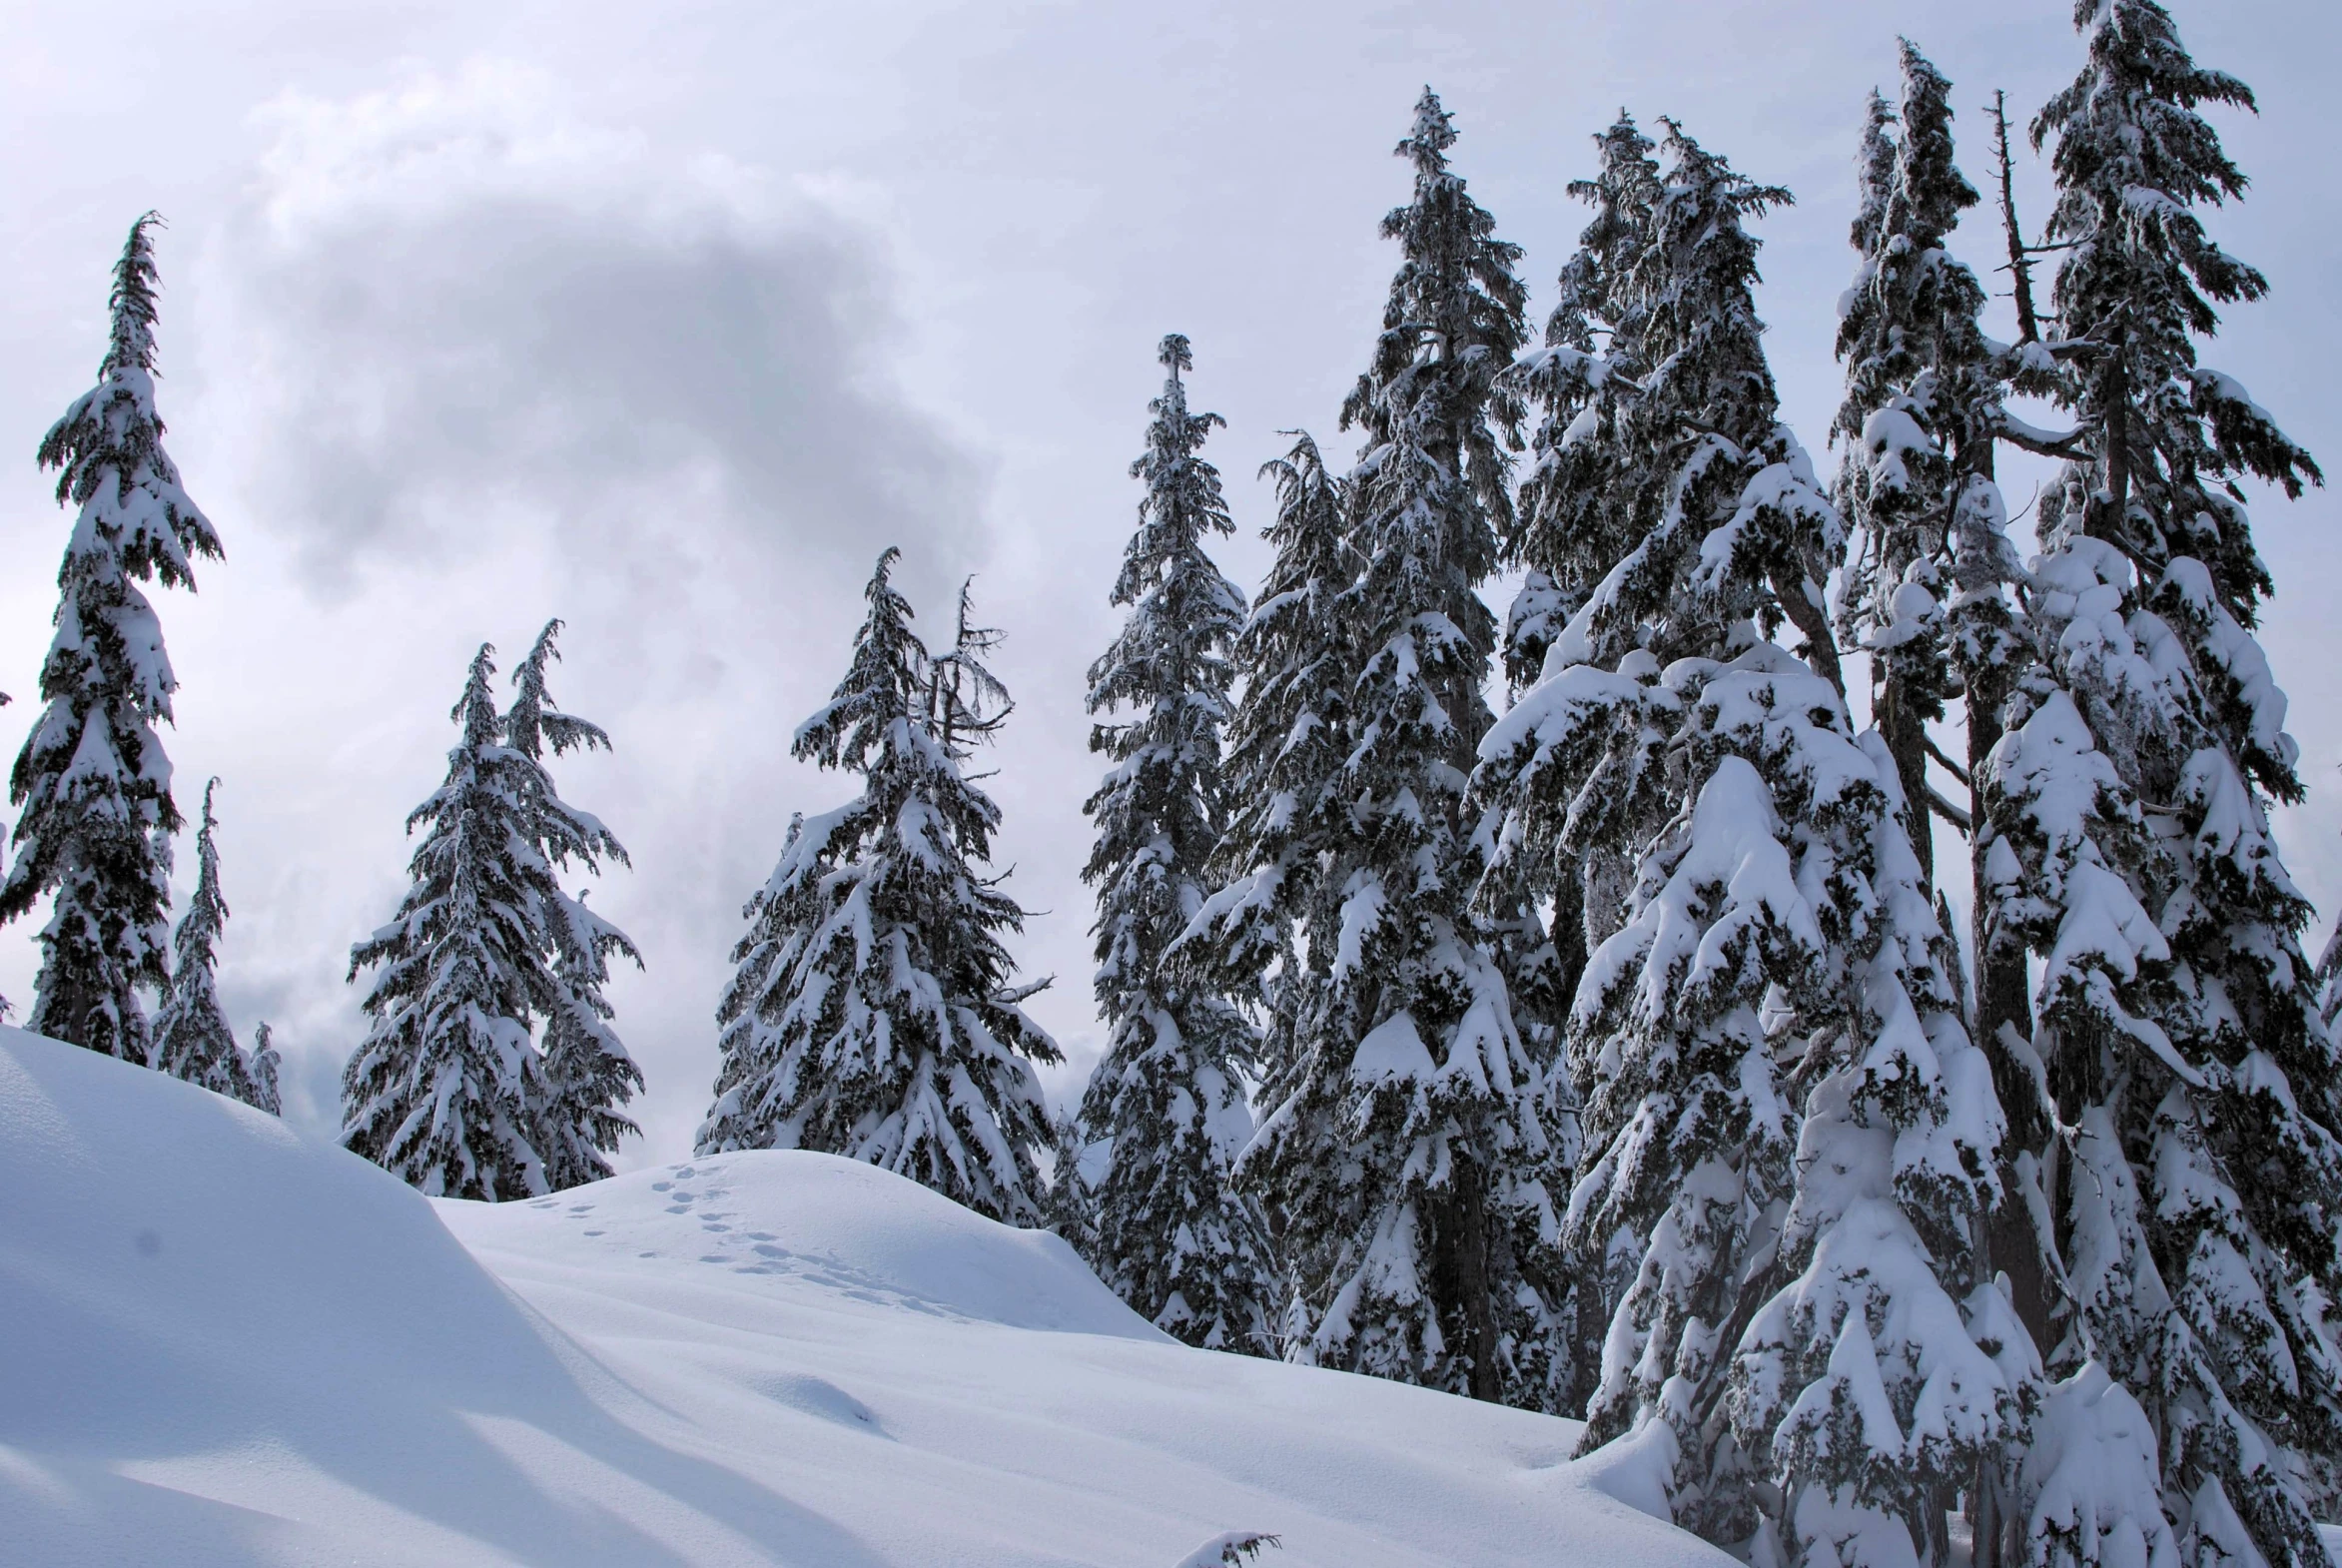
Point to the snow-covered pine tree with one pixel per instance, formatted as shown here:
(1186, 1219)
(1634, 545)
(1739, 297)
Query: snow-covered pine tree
(1929, 586)
(1169, 1231)
(1574, 522)
(587, 1073)
(92, 780)
(2195, 1171)
(446, 1090)
(1572, 525)
(1580, 764)
(1601, 466)
(1917, 375)
(1791, 1296)
(1284, 747)
(1407, 1153)
(1066, 1209)
(261, 1070)
(1888, 1382)
(873, 1013)
(192, 1036)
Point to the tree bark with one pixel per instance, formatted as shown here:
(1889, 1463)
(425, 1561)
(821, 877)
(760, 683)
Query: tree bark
(2003, 1005)
(1801, 601)
(1464, 1241)
(1906, 734)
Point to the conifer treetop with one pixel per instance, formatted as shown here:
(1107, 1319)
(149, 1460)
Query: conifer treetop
(1455, 306)
(130, 343)
(2133, 155)
(848, 730)
(112, 433)
(532, 725)
(1574, 514)
(207, 907)
(2140, 280)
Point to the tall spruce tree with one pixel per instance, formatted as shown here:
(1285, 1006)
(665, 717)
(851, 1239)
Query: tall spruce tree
(874, 1012)
(1931, 593)
(191, 1038)
(1929, 583)
(1572, 524)
(1794, 1323)
(2192, 1172)
(446, 1090)
(1917, 375)
(588, 1073)
(1407, 1153)
(92, 780)
(1167, 1229)
(1293, 656)
(1574, 520)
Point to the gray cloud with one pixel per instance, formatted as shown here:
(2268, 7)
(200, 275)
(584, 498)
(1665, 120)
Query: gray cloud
(487, 365)
(698, 384)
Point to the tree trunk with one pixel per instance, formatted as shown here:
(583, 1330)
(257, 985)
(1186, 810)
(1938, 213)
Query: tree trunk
(2112, 522)
(1801, 601)
(1906, 734)
(2002, 1005)
(1464, 1239)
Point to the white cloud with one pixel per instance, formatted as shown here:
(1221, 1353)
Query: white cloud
(489, 363)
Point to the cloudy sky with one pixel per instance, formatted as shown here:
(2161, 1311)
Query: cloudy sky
(665, 320)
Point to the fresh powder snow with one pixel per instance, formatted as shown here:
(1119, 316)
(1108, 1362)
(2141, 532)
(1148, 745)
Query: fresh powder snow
(231, 1345)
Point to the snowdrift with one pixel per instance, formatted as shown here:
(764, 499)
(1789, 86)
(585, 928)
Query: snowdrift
(220, 1344)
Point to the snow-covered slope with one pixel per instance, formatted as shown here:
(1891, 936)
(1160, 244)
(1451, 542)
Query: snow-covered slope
(219, 1343)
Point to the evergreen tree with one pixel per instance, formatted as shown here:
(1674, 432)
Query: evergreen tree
(1169, 1231)
(1581, 765)
(1407, 1153)
(587, 1072)
(446, 1090)
(873, 1013)
(1067, 1209)
(92, 780)
(1573, 524)
(1929, 583)
(1794, 1320)
(260, 1072)
(1918, 396)
(2193, 1171)
(192, 1036)
(1294, 655)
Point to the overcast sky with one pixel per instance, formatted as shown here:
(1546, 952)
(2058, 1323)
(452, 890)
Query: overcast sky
(665, 319)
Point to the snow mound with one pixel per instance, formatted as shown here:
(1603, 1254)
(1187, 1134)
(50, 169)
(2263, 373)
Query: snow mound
(225, 1344)
(836, 1224)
